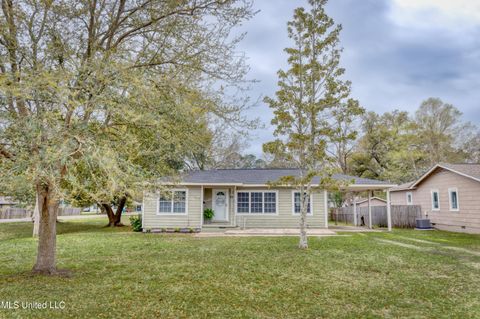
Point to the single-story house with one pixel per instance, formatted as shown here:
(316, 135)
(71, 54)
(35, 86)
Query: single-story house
(6, 201)
(241, 198)
(449, 195)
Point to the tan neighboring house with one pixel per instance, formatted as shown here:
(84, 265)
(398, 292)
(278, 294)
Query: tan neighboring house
(449, 195)
(374, 201)
(240, 198)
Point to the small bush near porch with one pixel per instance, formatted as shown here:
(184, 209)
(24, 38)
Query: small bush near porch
(122, 274)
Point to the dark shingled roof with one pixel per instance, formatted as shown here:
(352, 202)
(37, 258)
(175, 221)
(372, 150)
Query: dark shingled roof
(262, 176)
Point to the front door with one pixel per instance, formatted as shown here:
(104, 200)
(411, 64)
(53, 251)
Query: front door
(220, 204)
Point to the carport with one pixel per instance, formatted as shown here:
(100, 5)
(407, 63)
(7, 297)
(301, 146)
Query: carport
(368, 185)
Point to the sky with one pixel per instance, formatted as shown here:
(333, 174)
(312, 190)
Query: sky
(397, 53)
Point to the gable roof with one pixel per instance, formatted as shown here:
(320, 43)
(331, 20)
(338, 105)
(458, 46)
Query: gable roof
(263, 177)
(371, 199)
(471, 171)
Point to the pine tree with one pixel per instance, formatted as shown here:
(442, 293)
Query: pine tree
(310, 92)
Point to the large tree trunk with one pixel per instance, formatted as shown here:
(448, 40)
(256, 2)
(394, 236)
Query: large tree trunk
(115, 219)
(303, 244)
(36, 217)
(48, 207)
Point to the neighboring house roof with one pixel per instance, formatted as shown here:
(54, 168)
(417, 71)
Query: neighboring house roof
(366, 200)
(402, 187)
(471, 171)
(263, 177)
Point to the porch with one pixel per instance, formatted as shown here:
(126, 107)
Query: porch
(221, 199)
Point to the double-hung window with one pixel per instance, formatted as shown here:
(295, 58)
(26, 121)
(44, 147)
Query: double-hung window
(296, 203)
(409, 198)
(257, 202)
(173, 202)
(435, 200)
(453, 199)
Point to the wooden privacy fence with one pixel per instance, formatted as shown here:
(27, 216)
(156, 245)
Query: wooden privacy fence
(402, 215)
(69, 211)
(15, 212)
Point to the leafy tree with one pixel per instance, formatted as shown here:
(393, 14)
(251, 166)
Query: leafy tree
(80, 83)
(397, 147)
(342, 142)
(388, 149)
(309, 93)
(442, 131)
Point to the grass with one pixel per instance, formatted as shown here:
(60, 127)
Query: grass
(121, 274)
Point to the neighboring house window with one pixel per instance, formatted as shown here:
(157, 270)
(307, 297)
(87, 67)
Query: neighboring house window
(296, 203)
(435, 200)
(409, 198)
(257, 202)
(174, 202)
(453, 198)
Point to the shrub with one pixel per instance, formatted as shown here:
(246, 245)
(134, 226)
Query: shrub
(136, 222)
(208, 213)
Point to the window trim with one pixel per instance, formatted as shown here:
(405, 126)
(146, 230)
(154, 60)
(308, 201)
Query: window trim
(450, 191)
(172, 213)
(249, 191)
(411, 196)
(293, 204)
(438, 196)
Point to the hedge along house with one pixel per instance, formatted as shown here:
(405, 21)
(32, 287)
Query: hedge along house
(241, 198)
(449, 195)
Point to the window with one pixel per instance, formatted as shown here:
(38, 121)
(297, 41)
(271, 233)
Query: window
(243, 202)
(453, 198)
(435, 200)
(174, 202)
(270, 202)
(409, 198)
(296, 203)
(257, 202)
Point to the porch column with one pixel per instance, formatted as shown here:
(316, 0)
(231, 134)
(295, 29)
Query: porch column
(325, 206)
(355, 209)
(369, 209)
(201, 205)
(389, 212)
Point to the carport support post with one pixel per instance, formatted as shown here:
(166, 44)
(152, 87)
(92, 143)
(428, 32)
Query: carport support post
(355, 209)
(389, 212)
(369, 209)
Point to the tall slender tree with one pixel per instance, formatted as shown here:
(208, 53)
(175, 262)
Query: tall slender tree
(310, 92)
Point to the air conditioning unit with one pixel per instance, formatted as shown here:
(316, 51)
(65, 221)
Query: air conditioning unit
(423, 223)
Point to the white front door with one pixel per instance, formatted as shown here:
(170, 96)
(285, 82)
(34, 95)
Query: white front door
(220, 204)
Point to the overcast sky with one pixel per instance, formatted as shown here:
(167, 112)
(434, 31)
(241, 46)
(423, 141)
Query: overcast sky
(396, 53)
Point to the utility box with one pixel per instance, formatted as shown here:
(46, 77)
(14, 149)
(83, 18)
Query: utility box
(423, 223)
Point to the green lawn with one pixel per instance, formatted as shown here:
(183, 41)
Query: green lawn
(117, 273)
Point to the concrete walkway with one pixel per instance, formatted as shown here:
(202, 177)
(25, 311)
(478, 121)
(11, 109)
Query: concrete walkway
(354, 229)
(266, 232)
